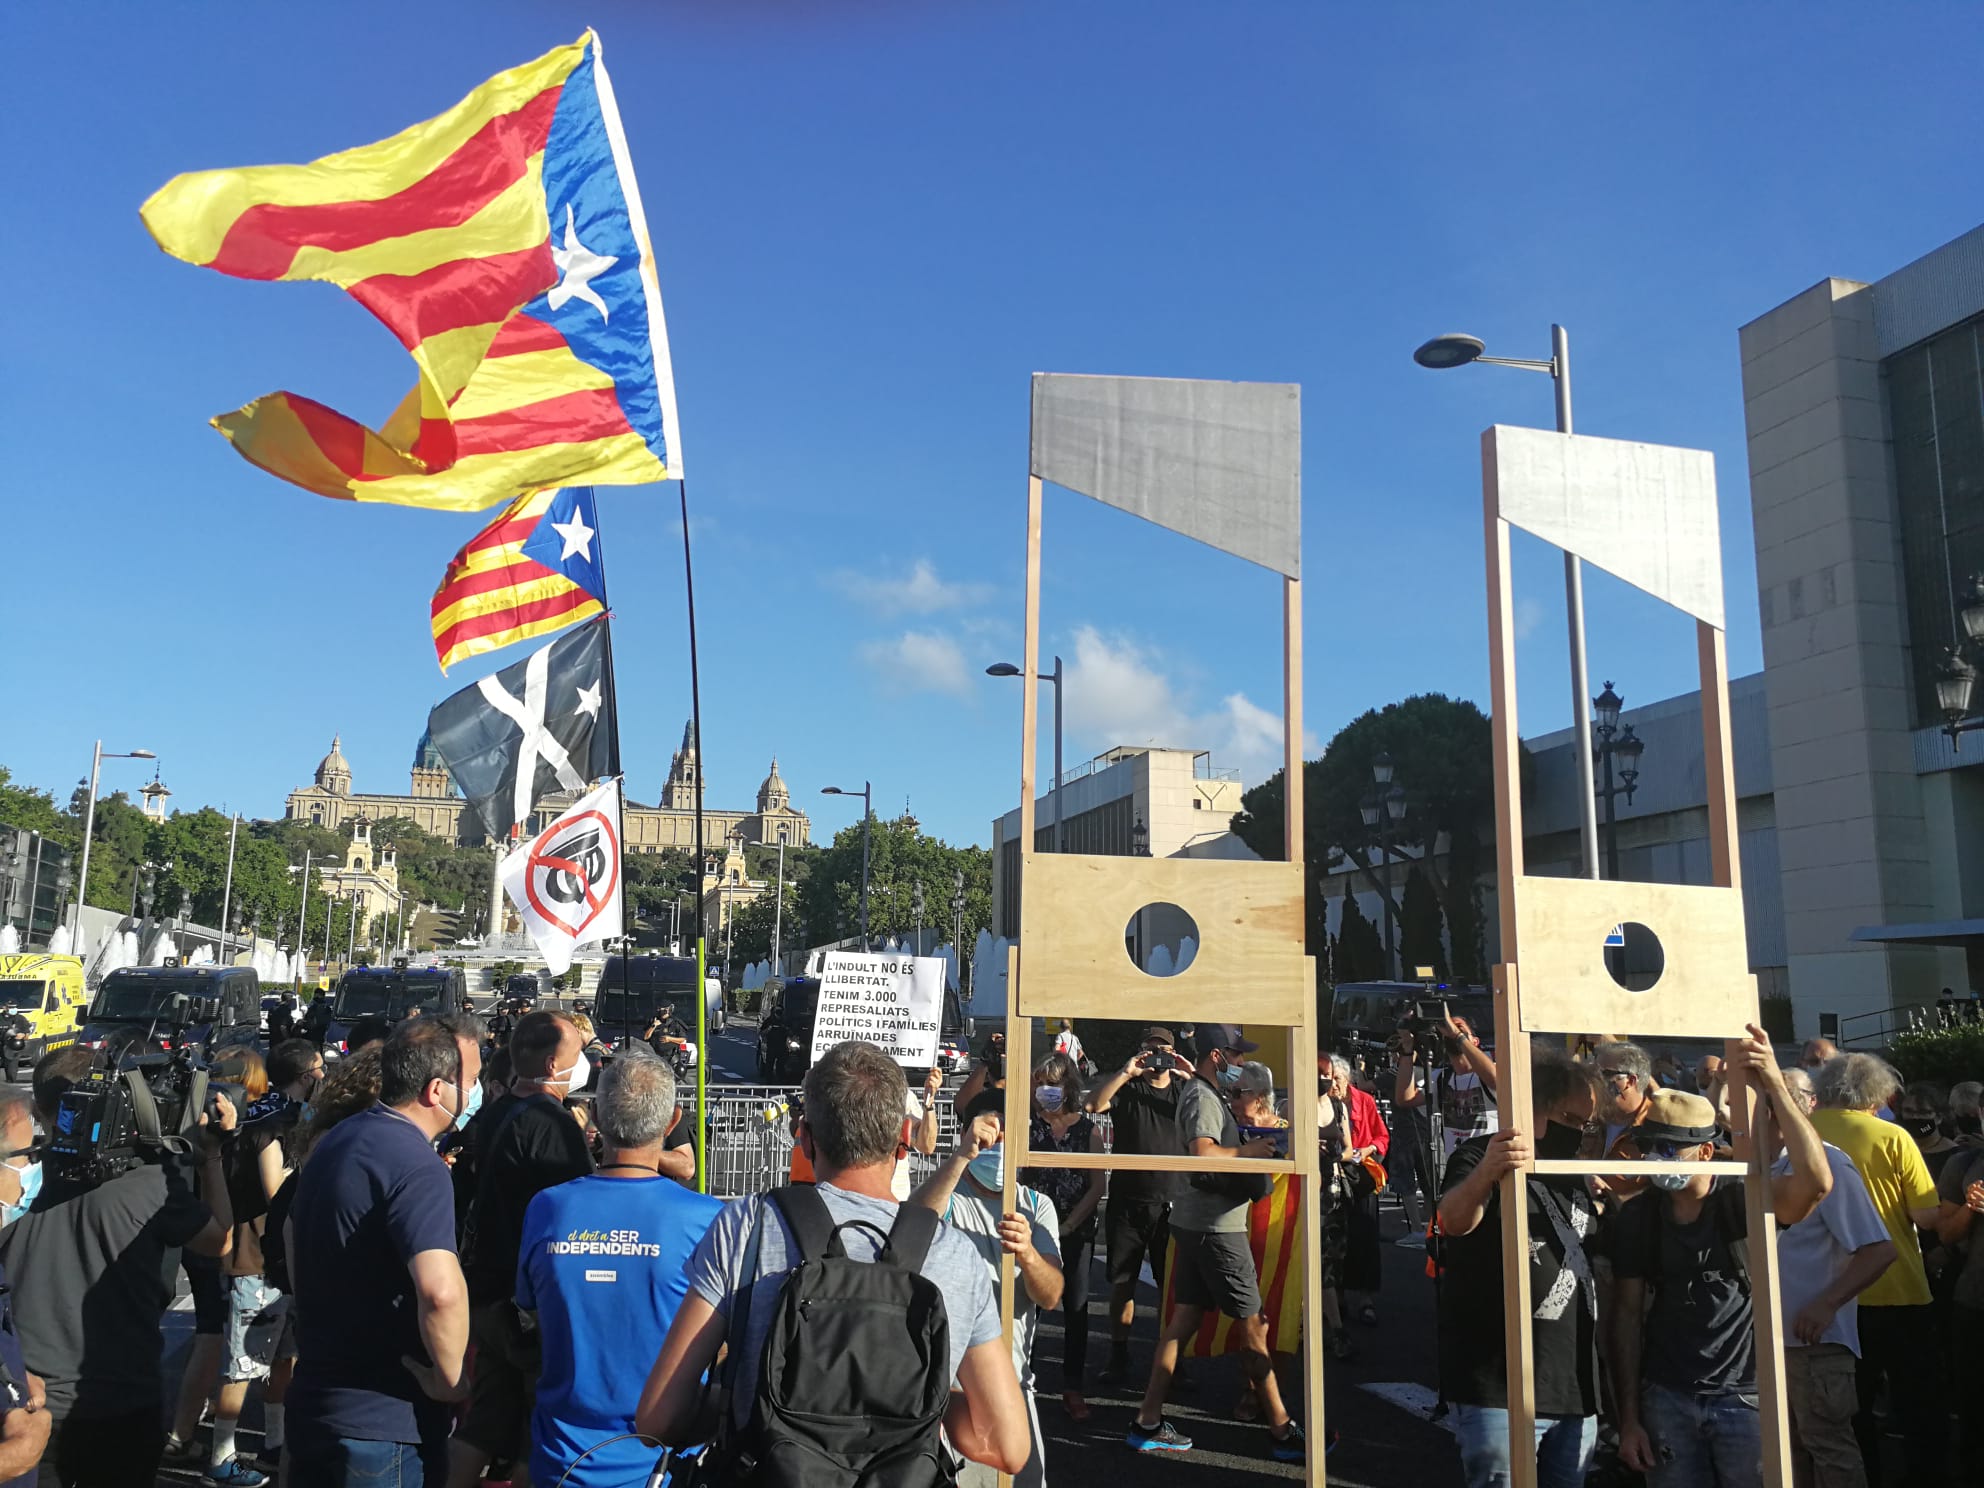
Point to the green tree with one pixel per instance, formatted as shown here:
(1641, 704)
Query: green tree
(1360, 949)
(29, 810)
(902, 856)
(1421, 927)
(1442, 755)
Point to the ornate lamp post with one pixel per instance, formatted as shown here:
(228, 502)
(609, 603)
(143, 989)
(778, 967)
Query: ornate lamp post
(1613, 742)
(1383, 807)
(1958, 697)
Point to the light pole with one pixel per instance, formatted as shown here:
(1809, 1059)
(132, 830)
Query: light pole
(867, 815)
(1627, 747)
(1007, 669)
(227, 893)
(1956, 676)
(957, 921)
(1383, 807)
(778, 908)
(301, 910)
(1457, 351)
(89, 825)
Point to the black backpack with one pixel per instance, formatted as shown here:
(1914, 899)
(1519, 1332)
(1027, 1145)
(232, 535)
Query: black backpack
(855, 1376)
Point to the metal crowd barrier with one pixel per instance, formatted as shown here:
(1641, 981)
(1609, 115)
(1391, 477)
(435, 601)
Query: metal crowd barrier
(750, 1138)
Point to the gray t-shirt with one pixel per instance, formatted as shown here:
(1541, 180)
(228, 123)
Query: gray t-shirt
(1201, 1113)
(1958, 1174)
(1812, 1253)
(716, 1269)
(976, 1217)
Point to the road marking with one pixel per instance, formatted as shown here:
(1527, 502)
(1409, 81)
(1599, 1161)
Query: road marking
(1415, 1399)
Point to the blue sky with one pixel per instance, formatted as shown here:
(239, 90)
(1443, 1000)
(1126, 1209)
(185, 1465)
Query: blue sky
(871, 227)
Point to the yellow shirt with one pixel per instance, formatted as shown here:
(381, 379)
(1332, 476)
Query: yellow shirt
(1897, 1180)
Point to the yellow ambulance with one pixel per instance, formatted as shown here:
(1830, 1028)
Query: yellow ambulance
(41, 998)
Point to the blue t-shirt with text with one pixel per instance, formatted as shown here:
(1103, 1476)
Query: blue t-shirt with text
(603, 1265)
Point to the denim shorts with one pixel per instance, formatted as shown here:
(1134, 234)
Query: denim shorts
(247, 1298)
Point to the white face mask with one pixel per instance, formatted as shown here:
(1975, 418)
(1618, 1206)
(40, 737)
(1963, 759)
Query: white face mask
(575, 1078)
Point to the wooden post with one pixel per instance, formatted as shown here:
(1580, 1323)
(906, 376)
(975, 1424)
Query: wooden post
(1511, 1043)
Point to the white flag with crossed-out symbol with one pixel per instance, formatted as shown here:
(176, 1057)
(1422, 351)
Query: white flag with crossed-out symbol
(565, 881)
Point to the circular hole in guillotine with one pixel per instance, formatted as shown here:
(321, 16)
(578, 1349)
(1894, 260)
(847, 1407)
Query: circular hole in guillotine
(1633, 956)
(1161, 940)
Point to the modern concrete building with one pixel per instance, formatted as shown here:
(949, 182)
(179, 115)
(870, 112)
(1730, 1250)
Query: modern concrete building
(1171, 803)
(1865, 411)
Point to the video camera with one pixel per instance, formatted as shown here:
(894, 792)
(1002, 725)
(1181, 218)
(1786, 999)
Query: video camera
(133, 1108)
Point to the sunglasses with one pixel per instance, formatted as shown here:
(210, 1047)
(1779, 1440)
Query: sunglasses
(1666, 1151)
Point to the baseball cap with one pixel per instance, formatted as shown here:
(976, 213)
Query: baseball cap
(1676, 1116)
(1156, 1033)
(1225, 1036)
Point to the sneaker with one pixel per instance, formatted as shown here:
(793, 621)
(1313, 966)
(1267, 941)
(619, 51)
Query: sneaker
(183, 1453)
(234, 1473)
(270, 1458)
(1288, 1447)
(1163, 1437)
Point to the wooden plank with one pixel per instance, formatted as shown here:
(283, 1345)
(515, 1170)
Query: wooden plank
(1719, 759)
(1293, 781)
(1019, 1061)
(1578, 1167)
(1030, 665)
(1157, 1162)
(1750, 1117)
(1705, 989)
(1511, 1043)
(1302, 1107)
(1250, 927)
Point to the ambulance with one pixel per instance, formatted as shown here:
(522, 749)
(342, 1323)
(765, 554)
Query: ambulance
(41, 998)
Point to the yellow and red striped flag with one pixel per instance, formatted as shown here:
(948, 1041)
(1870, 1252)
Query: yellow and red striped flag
(1274, 1236)
(535, 569)
(503, 243)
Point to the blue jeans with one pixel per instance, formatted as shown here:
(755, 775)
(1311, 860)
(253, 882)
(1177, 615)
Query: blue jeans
(316, 1461)
(1563, 1447)
(1703, 1441)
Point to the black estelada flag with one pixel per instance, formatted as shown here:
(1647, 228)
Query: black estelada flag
(542, 725)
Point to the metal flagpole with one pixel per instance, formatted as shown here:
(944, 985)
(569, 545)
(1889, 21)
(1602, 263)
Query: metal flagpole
(303, 951)
(613, 702)
(227, 893)
(702, 948)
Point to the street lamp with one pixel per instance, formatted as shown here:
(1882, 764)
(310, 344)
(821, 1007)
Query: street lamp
(1456, 350)
(1956, 677)
(89, 825)
(1007, 669)
(1622, 744)
(1139, 838)
(867, 794)
(1383, 807)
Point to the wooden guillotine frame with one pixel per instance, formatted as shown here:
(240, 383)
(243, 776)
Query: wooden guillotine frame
(1646, 514)
(1220, 463)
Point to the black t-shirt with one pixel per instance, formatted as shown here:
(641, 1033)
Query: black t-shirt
(92, 1276)
(1699, 1330)
(14, 1396)
(535, 1145)
(1146, 1121)
(1562, 1228)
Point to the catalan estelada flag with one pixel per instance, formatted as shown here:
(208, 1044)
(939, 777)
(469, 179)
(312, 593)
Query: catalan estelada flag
(535, 569)
(1274, 1236)
(503, 242)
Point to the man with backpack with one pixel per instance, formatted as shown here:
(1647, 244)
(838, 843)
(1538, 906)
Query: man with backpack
(862, 1332)
(1684, 1367)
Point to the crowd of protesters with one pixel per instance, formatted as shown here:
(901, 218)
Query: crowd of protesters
(452, 1257)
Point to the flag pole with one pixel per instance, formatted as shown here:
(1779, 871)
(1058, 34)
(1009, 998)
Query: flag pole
(702, 963)
(613, 701)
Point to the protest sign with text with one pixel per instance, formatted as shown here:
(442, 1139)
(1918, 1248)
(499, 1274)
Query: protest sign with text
(894, 1002)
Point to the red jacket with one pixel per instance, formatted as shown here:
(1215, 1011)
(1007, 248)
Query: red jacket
(1367, 1127)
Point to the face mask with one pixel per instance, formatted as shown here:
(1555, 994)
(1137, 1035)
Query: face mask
(1559, 1141)
(471, 1105)
(1229, 1077)
(30, 1177)
(988, 1169)
(1921, 1126)
(1050, 1097)
(1671, 1182)
(576, 1077)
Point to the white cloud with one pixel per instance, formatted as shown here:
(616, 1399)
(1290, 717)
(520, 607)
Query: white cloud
(1118, 693)
(919, 661)
(1529, 615)
(921, 591)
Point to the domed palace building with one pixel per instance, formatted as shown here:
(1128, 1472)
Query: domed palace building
(434, 805)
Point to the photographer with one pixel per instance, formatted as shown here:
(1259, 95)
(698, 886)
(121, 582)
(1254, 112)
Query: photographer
(1463, 1092)
(113, 1244)
(23, 1421)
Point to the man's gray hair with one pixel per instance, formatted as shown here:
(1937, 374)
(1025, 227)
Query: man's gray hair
(1798, 1080)
(636, 1102)
(1256, 1078)
(856, 1099)
(1628, 1059)
(16, 1098)
(1966, 1098)
(1856, 1082)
